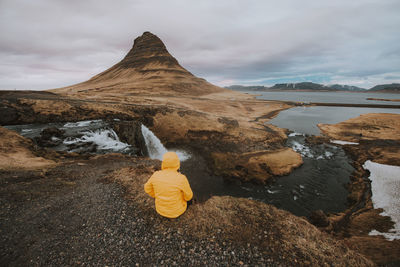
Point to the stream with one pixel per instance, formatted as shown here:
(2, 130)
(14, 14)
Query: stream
(318, 184)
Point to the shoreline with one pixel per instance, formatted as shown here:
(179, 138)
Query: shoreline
(320, 91)
(327, 104)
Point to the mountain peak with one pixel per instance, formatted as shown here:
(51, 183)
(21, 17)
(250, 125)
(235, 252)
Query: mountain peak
(147, 69)
(146, 49)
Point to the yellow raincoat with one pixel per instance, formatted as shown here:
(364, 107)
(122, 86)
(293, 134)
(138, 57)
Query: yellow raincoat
(170, 188)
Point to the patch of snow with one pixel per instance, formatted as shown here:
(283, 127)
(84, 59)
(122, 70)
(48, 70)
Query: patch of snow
(385, 187)
(340, 142)
(295, 134)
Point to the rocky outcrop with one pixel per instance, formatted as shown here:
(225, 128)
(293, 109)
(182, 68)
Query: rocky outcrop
(130, 132)
(50, 137)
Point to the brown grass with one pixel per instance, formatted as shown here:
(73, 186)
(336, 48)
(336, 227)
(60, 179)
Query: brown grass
(15, 153)
(370, 126)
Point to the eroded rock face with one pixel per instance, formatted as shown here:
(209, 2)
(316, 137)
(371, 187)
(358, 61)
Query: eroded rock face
(147, 49)
(130, 132)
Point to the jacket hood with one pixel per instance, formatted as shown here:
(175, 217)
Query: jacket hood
(170, 161)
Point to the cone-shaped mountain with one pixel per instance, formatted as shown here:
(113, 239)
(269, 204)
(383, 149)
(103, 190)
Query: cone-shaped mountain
(146, 49)
(148, 68)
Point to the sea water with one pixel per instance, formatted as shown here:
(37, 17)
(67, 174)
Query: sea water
(304, 120)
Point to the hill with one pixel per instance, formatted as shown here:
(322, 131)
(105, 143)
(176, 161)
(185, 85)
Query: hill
(247, 88)
(147, 69)
(300, 86)
(386, 88)
(346, 87)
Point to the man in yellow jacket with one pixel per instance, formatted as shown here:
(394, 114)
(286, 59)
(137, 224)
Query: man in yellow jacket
(170, 188)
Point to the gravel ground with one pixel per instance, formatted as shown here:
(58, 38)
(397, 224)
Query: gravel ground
(68, 216)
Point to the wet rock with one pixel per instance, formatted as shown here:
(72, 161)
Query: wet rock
(89, 147)
(130, 132)
(319, 218)
(52, 131)
(8, 115)
(50, 137)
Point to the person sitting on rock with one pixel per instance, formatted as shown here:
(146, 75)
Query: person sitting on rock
(170, 188)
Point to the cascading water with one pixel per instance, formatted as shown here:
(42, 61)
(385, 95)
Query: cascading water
(156, 149)
(154, 146)
(105, 139)
(91, 136)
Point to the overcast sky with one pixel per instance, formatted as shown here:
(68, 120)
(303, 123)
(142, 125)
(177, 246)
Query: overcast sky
(48, 43)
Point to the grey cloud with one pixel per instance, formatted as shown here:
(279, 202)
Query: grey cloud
(55, 43)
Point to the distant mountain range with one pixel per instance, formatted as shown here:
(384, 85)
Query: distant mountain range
(247, 88)
(384, 88)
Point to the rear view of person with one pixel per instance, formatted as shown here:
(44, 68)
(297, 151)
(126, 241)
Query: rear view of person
(170, 188)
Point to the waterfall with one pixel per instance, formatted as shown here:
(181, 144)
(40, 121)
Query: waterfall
(155, 148)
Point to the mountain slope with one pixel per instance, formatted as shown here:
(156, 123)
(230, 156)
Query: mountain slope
(147, 69)
(300, 86)
(346, 87)
(387, 88)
